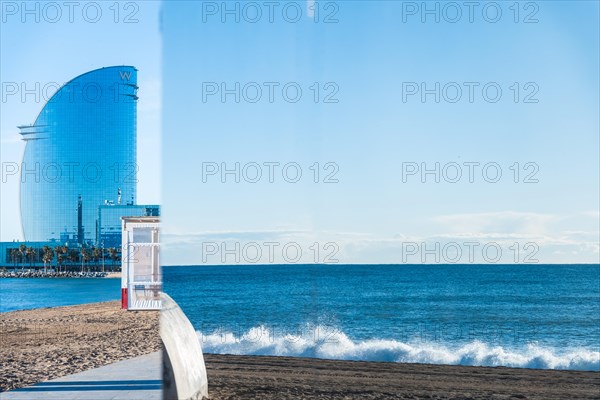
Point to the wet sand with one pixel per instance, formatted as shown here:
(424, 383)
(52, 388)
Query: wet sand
(257, 377)
(47, 343)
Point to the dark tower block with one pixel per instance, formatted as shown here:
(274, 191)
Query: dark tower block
(80, 232)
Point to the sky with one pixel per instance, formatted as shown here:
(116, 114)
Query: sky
(370, 61)
(325, 115)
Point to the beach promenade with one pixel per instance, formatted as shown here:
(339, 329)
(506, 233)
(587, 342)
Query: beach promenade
(137, 378)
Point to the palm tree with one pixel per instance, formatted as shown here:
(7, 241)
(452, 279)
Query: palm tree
(22, 252)
(30, 253)
(44, 251)
(85, 257)
(58, 251)
(65, 253)
(113, 256)
(47, 257)
(59, 260)
(13, 256)
(73, 256)
(96, 254)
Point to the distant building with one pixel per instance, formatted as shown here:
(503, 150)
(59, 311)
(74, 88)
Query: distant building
(108, 234)
(78, 175)
(108, 222)
(80, 150)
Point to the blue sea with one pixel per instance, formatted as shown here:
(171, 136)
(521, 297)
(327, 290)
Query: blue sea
(530, 316)
(28, 293)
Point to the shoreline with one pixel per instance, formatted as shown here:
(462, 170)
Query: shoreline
(55, 275)
(413, 364)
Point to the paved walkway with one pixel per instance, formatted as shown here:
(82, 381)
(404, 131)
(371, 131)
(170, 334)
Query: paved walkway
(137, 378)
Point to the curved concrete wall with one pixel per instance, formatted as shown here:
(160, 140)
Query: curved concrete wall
(184, 372)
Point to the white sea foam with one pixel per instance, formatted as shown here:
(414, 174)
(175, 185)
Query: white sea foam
(321, 342)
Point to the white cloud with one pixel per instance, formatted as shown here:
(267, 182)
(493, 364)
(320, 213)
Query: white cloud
(547, 238)
(505, 221)
(593, 214)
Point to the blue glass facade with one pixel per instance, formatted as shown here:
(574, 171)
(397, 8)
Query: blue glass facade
(80, 151)
(108, 223)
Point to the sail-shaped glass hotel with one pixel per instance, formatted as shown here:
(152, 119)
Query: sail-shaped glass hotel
(80, 152)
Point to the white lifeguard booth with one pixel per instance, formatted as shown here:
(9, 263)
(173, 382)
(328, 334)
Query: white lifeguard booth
(141, 277)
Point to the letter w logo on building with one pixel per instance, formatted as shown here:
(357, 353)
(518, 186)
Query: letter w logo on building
(125, 75)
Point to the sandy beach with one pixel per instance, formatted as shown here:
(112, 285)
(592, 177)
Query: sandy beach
(46, 343)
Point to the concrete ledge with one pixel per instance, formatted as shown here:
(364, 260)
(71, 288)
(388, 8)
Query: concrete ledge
(184, 372)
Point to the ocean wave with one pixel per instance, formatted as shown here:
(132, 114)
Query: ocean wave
(323, 342)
